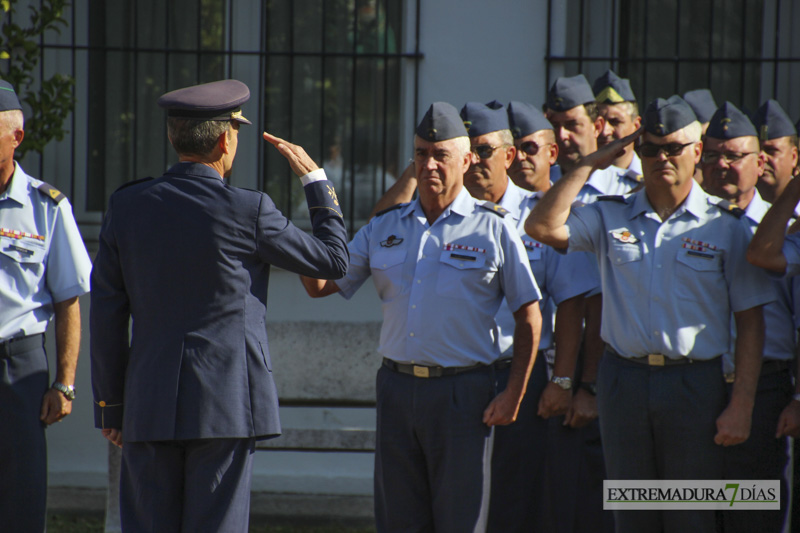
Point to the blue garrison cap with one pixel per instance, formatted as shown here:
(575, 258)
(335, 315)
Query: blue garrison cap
(480, 119)
(440, 123)
(611, 89)
(567, 93)
(524, 119)
(702, 102)
(662, 117)
(219, 100)
(8, 97)
(729, 122)
(772, 122)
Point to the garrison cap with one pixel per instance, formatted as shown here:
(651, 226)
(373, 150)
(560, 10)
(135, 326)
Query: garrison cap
(729, 123)
(772, 122)
(525, 119)
(569, 92)
(440, 123)
(481, 119)
(8, 97)
(662, 117)
(219, 100)
(611, 89)
(702, 102)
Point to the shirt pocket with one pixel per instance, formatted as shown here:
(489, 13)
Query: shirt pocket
(698, 271)
(22, 251)
(387, 272)
(462, 273)
(626, 264)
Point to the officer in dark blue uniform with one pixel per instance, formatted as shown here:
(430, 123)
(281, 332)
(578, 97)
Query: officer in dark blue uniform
(187, 257)
(44, 267)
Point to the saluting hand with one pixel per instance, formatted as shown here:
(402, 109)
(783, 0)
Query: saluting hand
(606, 155)
(298, 159)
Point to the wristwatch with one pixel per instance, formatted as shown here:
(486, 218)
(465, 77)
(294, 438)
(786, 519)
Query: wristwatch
(589, 386)
(68, 392)
(564, 383)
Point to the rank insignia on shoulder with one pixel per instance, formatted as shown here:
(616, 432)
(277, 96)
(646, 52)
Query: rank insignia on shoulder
(494, 208)
(612, 198)
(392, 240)
(51, 191)
(392, 208)
(731, 208)
(624, 236)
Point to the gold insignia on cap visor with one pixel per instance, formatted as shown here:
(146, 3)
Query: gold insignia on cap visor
(611, 95)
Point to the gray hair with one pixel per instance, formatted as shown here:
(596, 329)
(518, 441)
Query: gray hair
(11, 120)
(461, 144)
(693, 131)
(193, 136)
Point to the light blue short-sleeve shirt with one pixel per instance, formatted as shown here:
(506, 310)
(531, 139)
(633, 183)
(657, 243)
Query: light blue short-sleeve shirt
(42, 257)
(669, 287)
(558, 276)
(441, 284)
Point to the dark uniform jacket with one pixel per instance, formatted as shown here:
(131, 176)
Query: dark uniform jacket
(188, 258)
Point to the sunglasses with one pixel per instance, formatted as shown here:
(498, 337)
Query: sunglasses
(531, 148)
(653, 150)
(485, 151)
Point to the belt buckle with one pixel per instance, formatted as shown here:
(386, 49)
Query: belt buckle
(421, 371)
(730, 377)
(655, 359)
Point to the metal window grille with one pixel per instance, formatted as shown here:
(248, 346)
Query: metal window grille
(322, 73)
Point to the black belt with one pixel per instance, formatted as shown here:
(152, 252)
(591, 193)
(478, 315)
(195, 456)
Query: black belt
(17, 345)
(422, 371)
(657, 359)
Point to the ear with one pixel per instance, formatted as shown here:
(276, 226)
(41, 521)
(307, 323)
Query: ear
(762, 161)
(599, 126)
(553, 153)
(511, 154)
(18, 136)
(637, 122)
(224, 142)
(794, 156)
(698, 151)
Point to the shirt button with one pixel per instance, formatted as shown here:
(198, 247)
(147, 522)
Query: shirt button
(424, 256)
(419, 281)
(427, 233)
(461, 264)
(384, 265)
(655, 333)
(411, 334)
(414, 306)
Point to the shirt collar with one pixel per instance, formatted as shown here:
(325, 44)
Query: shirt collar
(19, 190)
(757, 208)
(696, 202)
(513, 198)
(462, 205)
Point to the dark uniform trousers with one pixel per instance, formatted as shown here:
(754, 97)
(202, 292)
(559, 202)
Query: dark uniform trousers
(158, 480)
(762, 456)
(659, 422)
(518, 460)
(23, 451)
(433, 452)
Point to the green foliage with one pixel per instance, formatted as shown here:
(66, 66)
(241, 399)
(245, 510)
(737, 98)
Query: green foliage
(53, 100)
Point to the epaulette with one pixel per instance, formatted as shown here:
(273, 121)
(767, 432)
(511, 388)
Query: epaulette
(392, 208)
(134, 182)
(51, 192)
(494, 208)
(731, 208)
(611, 198)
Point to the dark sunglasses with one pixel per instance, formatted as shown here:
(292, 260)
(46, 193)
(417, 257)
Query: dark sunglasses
(485, 151)
(652, 150)
(531, 148)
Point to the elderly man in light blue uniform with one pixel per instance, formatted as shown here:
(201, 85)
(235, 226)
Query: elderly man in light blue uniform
(732, 167)
(44, 267)
(673, 270)
(442, 266)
